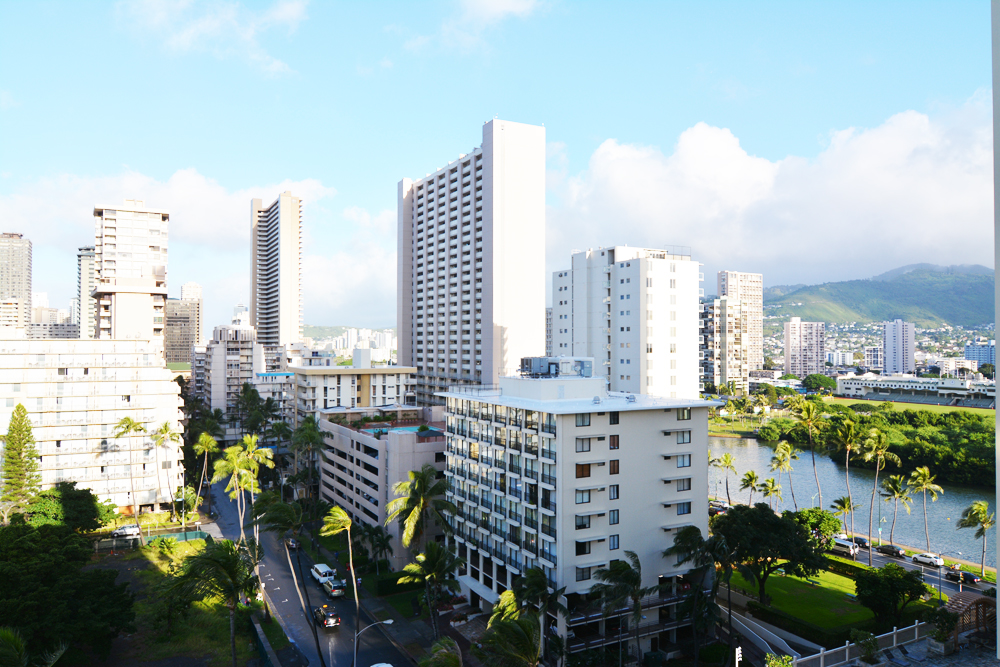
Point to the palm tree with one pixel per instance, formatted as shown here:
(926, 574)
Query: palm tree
(750, 481)
(728, 464)
(307, 440)
(280, 432)
(977, 515)
(849, 439)
(921, 481)
(781, 462)
(14, 651)
(532, 590)
(812, 421)
(164, 436)
(419, 499)
(337, 521)
(231, 465)
(876, 447)
(252, 459)
(381, 546)
(842, 507)
(770, 489)
(621, 589)
(435, 568)
(284, 519)
(894, 488)
(445, 652)
(205, 446)
(512, 642)
(224, 570)
(126, 428)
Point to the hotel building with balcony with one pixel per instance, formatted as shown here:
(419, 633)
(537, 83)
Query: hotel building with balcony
(551, 470)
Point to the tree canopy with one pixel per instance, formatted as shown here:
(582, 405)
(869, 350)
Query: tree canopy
(66, 505)
(815, 382)
(20, 460)
(887, 590)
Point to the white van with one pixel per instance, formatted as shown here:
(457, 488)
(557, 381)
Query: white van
(844, 548)
(127, 531)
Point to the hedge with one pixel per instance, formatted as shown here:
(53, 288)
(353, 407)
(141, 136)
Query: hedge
(388, 584)
(844, 567)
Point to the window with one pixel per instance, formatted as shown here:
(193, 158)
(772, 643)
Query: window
(582, 573)
(582, 522)
(683, 437)
(614, 466)
(613, 442)
(582, 548)
(583, 444)
(613, 518)
(583, 419)
(684, 461)
(613, 418)
(684, 484)
(613, 492)
(582, 470)
(613, 542)
(684, 508)
(582, 497)
(683, 414)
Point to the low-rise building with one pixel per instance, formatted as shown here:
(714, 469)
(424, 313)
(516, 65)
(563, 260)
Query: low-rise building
(360, 385)
(550, 470)
(912, 389)
(47, 330)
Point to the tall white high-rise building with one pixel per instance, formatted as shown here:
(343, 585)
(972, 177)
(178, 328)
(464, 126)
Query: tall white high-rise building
(898, 347)
(724, 325)
(471, 262)
(130, 264)
(15, 276)
(276, 270)
(86, 282)
(805, 347)
(635, 311)
(748, 288)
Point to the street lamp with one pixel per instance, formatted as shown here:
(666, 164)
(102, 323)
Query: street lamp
(953, 553)
(387, 621)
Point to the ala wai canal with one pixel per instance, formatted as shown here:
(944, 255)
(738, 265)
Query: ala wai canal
(942, 516)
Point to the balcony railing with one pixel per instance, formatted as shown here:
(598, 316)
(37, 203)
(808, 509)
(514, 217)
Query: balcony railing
(549, 454)
(549, 505)
(548, 479)
(591, 614)
(531, 523)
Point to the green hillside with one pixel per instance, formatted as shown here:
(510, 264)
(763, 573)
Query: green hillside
(924, 294)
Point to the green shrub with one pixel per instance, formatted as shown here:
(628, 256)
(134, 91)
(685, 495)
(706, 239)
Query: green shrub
(388, 584)
(867, 644)
(844, 567)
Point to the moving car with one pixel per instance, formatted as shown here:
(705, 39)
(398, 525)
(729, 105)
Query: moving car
(127, 531)
(862, 542)
(966, 578)
(891, 550)
(292, 543)
(335, 588)
(717, 507)
(321, 572)
(929, 559)
(844, 548)
(326, 616)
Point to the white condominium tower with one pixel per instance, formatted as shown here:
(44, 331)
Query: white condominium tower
(898, 347)
(15, 277)
(723, 345)
(130, 260)
(276, 270)
(635, 311)
(471, 262)
(748, 288)
(86, 282)
(805, 347)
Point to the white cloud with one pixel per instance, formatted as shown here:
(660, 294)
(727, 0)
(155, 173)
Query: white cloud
(224, 28)
(913, 189)
(466, 27)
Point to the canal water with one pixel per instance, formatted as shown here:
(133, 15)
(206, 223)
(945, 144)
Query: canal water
(942, 516)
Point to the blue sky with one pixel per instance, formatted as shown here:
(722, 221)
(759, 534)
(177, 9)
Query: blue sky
(808, 141)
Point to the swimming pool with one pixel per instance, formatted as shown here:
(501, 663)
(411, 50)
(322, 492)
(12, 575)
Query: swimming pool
(405, 429)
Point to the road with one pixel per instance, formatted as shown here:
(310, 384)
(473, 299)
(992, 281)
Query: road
(930, 573)
(337, 644)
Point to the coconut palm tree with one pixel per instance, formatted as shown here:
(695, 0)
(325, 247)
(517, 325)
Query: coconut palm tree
(252, 459)
(14, 651)
(224, 570)
(770, 489)
(337, 521)
(842, 507)
(512, 642)
(280, 432)
(728, 464)
(232, 466)
(445, 652)
(894, 489)
(307, 440)
(876, 448)
(921, 481)
(848, 438)
(164, 436)
(418, 500)
(621, 589)
(811, 419)
(781, 462)
(435, 569)
(205, 446)
(380, 543)
(127, 428)
(750, 481)
(977, 515)
(532, 590)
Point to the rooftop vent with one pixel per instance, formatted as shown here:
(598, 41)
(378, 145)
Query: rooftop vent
(630, 398)
(597, 400)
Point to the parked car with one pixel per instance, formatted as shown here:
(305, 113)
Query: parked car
(335, 588)
(716, 507)
(862, 542)
(844, 548)
(292, 543)
(891, 550)
(326, 616)
(966, 578)
(929, 559)
(127, 531)
(321, 572)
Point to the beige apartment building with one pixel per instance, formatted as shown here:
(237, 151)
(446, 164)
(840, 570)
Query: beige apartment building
(748, 289)
(15, 279)
(805, 347)
(724, 354)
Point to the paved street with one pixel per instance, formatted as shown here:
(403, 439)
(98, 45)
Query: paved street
(930, 573)
(337, 644)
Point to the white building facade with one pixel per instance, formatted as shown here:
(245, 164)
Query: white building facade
(898, 347)
(553, 471)
(873, 357)
(276, 270)
(724, 355)
(471, 262)
(982, 351)
(360, 385)
(748, 288)
(76, 392)
(636, 312)
(805, 347)
(86, 283)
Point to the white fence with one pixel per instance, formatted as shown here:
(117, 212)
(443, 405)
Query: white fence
(847, 653)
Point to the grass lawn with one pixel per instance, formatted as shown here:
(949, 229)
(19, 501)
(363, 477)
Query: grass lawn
(825, 605)
(725, 428)
(914, 406)
(403, 603)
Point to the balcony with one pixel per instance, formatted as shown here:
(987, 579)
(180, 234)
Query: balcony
(549, 454)
(548, 530)
(549, 505)
(596, 613)
(531, 523)
(548, 479)
(593, 641)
